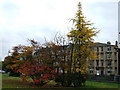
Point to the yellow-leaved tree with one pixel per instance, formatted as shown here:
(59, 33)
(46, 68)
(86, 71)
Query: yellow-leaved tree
(81, 37)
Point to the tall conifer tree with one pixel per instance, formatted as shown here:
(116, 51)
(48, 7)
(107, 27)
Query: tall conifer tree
(81, 36)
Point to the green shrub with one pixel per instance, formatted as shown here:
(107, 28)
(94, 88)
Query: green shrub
(72, 79)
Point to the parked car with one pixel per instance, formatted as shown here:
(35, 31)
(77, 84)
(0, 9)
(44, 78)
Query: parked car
(1, 71)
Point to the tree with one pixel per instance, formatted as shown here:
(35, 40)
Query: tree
(35, 73)
(18, 56)
(23, 61)
(81, 36)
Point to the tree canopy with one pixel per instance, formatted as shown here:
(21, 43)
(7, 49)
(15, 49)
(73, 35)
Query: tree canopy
(81, 36)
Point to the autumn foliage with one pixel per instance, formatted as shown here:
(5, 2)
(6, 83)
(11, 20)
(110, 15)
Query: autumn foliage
(38, 64)
(34, 72)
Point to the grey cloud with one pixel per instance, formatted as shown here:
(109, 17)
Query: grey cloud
(105, 15)
(11, 38)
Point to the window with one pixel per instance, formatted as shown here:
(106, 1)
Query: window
(55, 63)
(101, 49)
(91, 63)
(91, 70)
(109, 70)
(102, 63)
(108, 56)
(102, 56)
(108, 63)
(97, 68)
(115, 68)
(97, 63)
(97, 49)
(108, 48)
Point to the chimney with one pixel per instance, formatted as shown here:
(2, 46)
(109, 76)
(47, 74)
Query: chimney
(116, 43)
(109, 43)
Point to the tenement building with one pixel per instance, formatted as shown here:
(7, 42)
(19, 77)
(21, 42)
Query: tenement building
(106, 62)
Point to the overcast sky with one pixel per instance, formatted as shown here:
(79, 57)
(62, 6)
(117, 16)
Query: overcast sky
(36, 19)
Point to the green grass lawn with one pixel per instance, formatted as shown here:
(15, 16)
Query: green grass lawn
(93, 84)
(13, 82)
(16, 82)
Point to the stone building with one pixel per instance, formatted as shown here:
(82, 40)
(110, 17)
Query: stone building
(106, 62)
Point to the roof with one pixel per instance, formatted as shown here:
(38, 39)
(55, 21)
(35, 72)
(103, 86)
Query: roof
(102, 44)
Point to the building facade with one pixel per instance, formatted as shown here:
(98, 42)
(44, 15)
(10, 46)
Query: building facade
(106, 62)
